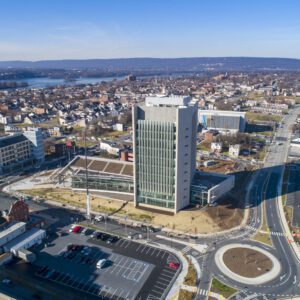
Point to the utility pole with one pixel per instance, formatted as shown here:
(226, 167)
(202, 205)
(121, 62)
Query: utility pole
(88, 203)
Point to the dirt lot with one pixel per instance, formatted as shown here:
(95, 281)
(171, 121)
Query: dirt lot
(191, 220)
(247, 262)
(220, 166)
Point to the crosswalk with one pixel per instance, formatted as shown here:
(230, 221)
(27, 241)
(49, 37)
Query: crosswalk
(269, 232)
(203, 292)
(186, 249)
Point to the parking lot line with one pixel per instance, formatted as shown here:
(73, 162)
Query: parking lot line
(112, 295)
(137, 249)
(156, 292)
(120, 266)
(123, 242)
(167, 280)
(149, 250)
(120, 295)
(144, 248)
(168, 270)
(112, 256)
(92, 286)
(158, 287)
(107, 292)
(167, 276)
(80, 282)
(61, 277)
(162, 284)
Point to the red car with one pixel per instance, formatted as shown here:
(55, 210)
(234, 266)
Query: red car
(173, 265)
(76, 229)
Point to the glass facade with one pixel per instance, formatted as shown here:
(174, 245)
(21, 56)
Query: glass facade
(155, 163)
(199, 195)
(108, 183)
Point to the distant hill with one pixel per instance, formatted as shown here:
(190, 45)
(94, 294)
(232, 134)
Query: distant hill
(192, 64)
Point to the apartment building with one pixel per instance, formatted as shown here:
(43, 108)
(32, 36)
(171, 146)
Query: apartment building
(15, 153)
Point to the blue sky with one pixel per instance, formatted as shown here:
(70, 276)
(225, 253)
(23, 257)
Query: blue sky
(61, 29)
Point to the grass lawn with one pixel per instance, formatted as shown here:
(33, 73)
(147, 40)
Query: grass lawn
(188, 220)
(221, 288)
(191, 276)
(204, 146)
(112, 134)
(261, 236)
(258, 117)
(80, 143)
(186, 295)
(266, 133)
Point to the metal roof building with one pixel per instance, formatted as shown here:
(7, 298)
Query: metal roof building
(223, 121)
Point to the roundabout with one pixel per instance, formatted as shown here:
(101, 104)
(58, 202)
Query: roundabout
(247, 264)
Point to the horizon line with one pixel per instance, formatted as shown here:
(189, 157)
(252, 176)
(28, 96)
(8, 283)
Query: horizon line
(147, 57)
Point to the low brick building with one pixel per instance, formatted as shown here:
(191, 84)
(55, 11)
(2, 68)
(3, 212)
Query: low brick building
(18, 211)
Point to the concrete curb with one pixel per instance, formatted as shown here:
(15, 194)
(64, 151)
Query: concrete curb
(275, 271)
(284, 223)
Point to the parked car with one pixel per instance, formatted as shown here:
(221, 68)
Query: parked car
(77, 229)
(7, 281)
(72, 227)
(100, 263)
(84, 231)
(174, 265)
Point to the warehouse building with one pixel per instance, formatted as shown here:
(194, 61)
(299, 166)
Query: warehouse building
(12, 232)
(222, 121)
(24, 241)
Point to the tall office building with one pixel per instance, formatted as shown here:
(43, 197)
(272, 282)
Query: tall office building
(165, 132)
(35, 136)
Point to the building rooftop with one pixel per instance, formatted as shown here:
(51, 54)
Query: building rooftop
(168, 101)
(97, 165)
(23, 239)
(12, 228)
(208, 180)
(223, 112)
(12, 139)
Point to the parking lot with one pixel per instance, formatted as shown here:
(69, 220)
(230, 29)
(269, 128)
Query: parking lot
(132, 270)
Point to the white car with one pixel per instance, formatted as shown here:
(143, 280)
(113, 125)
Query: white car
(101, 263)
(99, 218)
(7, 281)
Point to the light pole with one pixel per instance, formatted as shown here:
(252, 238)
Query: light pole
(105, 218)
(88, 203)
(126, 225)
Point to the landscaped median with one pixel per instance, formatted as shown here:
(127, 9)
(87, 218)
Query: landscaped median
(189, 288)
(221, 288)
(263, 235)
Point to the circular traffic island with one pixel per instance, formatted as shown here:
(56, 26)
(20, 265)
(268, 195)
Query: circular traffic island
(247, 264)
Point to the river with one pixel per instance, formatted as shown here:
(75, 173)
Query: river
(44, 82)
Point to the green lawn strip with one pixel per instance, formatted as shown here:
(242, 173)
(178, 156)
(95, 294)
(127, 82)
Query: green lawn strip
(221, 288)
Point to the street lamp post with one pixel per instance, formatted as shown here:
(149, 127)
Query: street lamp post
(88, 203)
